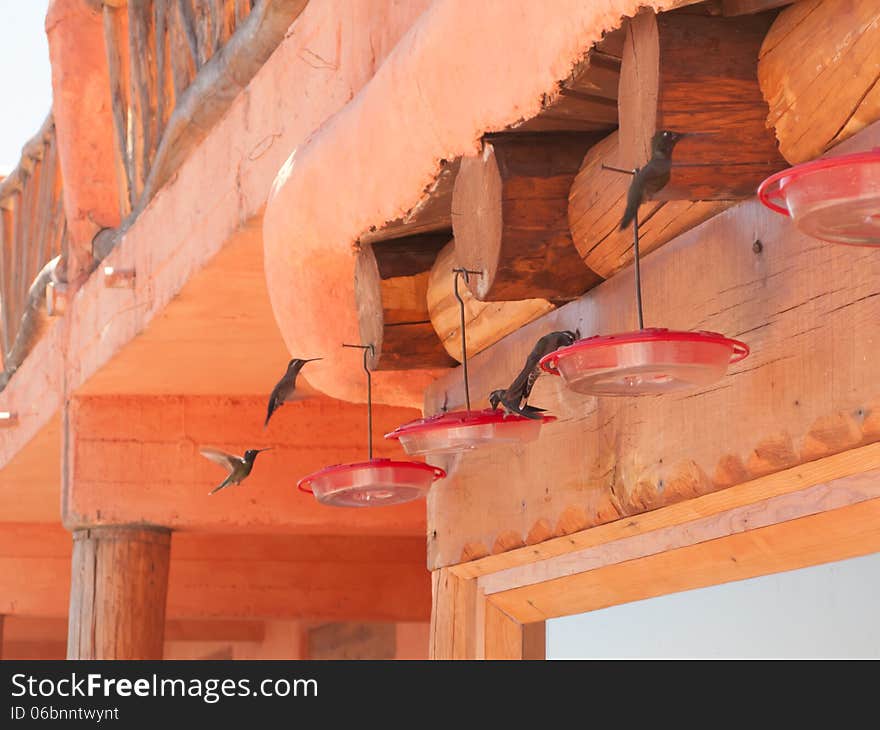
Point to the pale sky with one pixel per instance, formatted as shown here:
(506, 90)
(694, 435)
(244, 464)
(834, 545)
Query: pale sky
(27, 81)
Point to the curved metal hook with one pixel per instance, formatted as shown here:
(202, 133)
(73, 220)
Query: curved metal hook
(465, 273)
(372, 351)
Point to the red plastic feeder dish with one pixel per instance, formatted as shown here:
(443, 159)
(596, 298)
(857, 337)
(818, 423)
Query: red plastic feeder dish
(834, 199)
(374, 483)
(646, 362)
(449, 433)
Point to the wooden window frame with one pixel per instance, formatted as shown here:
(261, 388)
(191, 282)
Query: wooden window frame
(818, 512)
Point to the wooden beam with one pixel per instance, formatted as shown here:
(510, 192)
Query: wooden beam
(596, 204)
(485, 322)
(220, 582)
(115, 35)
(830, 483)
(391, 288)
(806, 391)
(457, 617)
(697, 73)
(732, 8)
(818, 72)
(510, 217)
(119, 582)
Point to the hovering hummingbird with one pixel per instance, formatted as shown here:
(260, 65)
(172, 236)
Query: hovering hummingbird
(515, 398)
(654, 176)
(284, 389)
(238, 467)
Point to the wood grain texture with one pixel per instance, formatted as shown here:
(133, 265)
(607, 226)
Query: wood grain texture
(809, 312)
(432, 213)
(391, 287)
(457, 617)
(698, 74)
(837, 534)
(119, 583)
(819, 70)
(510, 217)
(587, 99)
(507, 638)
(350, 640)
(596, 203)
(485, 322)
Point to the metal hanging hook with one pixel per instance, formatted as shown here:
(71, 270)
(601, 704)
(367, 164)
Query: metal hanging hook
(636, 260)
(466, 273)
(371, 350)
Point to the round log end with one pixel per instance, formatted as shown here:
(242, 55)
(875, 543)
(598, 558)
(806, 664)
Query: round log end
(476, 219)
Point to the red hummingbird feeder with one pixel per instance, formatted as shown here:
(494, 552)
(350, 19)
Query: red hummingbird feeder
(648, 361)
(373, 483)
(451, 432)
(835, 199)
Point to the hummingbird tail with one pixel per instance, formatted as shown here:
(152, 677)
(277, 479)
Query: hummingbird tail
(628, 215)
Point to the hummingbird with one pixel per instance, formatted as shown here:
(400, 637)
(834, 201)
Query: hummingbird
(284, 389)
(239, 467)
(654, 176)
(515, 398)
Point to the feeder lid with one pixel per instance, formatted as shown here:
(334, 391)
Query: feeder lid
(833, 199)
(644, 362)
(455, 431)
(378, 482)
(456, 419)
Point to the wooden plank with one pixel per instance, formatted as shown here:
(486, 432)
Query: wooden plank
(698, 74)
(183, 64)
(814, 500)
(822, 538)
(510, 217)
(456, 617)
(791, 487)
(143, 128)
(818, 70)
(187, 21)
(808, 311)
(352, 640)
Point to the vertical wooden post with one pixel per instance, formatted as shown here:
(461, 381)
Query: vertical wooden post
(119, 582)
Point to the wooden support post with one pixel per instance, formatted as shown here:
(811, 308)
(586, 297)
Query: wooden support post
(596, 204)
(510, 217)
(119, 582)
(697, 73)
(485, 322)
(818, 72)
(391, 286)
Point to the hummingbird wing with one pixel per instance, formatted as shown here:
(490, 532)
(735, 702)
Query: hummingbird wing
(227, 461)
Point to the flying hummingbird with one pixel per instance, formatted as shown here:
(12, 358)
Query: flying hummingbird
(284, 389)
(238, 467)
(515, 398)
(654, 176)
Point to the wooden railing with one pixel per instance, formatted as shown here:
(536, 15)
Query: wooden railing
(33, 233)
(174, 68)
(155, 49)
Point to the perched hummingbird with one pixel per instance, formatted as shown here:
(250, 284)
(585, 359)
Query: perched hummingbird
(238, 467)
(654, 176)
(284, 389)
(515, 398)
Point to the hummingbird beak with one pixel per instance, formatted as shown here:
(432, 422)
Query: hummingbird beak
(268, 448)
(312, 359)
